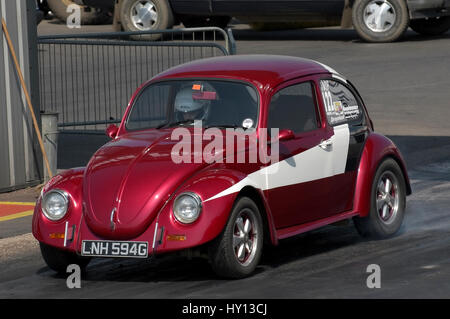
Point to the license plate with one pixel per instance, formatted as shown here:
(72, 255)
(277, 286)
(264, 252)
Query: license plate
(104, 248)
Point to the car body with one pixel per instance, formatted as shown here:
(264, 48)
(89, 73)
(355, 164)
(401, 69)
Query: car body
(374, 20)
(331, 166)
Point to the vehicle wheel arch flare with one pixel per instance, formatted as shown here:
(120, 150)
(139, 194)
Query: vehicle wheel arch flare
(51, 232)
(376, 149)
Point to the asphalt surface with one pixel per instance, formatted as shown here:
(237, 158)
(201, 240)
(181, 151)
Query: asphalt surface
(405, 86)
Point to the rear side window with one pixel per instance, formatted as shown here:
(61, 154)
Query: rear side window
(341, 105)
(293, 108)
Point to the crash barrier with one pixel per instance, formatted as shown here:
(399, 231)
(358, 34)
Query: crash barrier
(89, 78)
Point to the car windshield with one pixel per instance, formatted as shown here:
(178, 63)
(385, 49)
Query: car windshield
(182, 102)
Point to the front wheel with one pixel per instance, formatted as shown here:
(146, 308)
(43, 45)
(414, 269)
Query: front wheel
(434, 26)
(380, 20)
(58, 259)
(237, 250)
(388, 202)
(146, 15)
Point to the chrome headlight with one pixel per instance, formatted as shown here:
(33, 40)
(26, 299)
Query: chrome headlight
(187, 207)
(55, 204)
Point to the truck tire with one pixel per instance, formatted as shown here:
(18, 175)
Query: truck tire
(89, 15)
(431, 26)
(379, 20)
(146, 15)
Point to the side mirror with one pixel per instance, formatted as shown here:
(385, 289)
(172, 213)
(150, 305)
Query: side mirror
(111, 131)
(285, 135)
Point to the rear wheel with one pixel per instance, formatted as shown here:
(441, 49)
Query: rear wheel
(237, 250)
(388, 202)
(380, 20)
(58, 259)
(89, 15)
(146, 15)
(434, 26)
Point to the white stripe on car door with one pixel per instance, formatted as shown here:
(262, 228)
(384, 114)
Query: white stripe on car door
(316, 163)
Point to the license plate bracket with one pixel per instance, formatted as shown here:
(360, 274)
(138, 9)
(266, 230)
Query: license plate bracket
(108, 248)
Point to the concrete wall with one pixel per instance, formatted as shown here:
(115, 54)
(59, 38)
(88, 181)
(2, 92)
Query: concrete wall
(20, 158)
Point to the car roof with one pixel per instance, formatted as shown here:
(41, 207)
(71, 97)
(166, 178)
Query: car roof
(261, 70)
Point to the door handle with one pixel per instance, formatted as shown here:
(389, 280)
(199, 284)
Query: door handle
(326, 144)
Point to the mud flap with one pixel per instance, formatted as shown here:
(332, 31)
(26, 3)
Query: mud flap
(117, 25)
(346, 21)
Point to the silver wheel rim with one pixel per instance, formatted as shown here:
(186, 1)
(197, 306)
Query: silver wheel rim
(144, 15)
(387, 197)
(379, 16)
(245, 238)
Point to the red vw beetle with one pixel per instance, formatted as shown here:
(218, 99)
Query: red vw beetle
(223, 156)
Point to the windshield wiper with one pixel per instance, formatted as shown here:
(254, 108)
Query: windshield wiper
(169, 124)
(162, 125)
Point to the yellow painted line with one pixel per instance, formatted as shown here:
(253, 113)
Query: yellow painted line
(18, 215)
(18, 203)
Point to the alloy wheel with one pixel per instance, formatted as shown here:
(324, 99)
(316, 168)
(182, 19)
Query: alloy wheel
(144, 15)
(245, 237)
(379, 16)
(387, 197)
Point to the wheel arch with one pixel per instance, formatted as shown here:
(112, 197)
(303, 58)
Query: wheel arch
(258, 197)
(377, 149)
(402, 166)
(70, 181)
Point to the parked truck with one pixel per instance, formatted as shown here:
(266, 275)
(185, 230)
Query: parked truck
(89, 14)
(374, 20)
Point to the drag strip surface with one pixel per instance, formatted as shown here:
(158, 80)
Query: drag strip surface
(327, 263)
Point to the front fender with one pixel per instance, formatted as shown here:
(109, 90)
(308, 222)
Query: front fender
(52, 232)
(214, 214)
(376, 149)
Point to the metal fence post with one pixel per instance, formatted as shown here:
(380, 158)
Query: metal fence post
(50, 137)
(231, 42)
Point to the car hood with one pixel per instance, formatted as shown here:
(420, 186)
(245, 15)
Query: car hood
(129, 180)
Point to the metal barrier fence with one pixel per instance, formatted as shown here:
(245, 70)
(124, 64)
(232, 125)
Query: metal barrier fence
(89, 78)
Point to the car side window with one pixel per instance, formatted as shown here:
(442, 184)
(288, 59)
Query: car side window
(293, 108)
(341, 106)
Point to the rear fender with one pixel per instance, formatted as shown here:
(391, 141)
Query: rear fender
(376, 150)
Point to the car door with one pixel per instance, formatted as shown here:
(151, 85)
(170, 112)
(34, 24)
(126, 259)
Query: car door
(299, 185)
(344, 113)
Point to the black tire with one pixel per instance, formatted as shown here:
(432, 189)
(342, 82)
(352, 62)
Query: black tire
(375, 225)
(431, 26)
(388, 32)
(194, 22)
(58, 259)
(224, 257)
(165, 19)
(43, 6)
(89, 15)
(39, 16)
